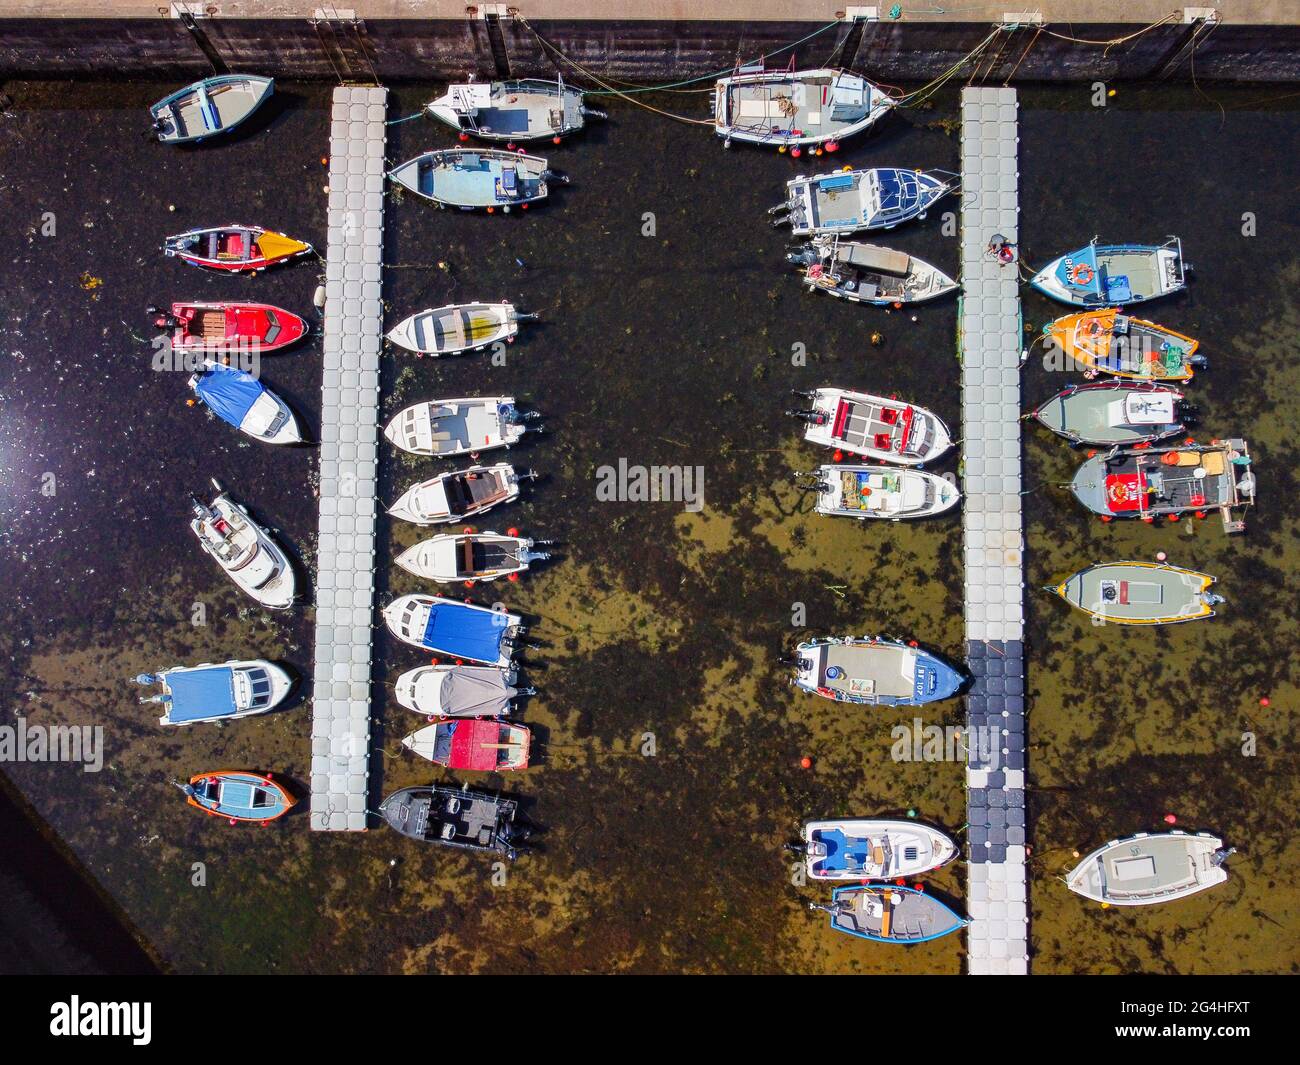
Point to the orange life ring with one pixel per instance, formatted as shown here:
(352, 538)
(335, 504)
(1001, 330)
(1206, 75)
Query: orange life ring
(1120, 492)
(1081, 274)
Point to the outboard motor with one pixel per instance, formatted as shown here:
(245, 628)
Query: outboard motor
(1187, 413)
(812, 417)
(1200, 362)
(555, 176)
(804, 255)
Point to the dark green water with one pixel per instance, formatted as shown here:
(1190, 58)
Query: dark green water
(670, 349)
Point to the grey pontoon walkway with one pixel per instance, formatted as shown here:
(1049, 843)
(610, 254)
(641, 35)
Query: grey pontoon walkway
(991, 342)
(340, 730)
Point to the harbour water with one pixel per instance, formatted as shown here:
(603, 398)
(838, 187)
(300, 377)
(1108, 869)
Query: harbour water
(668, 772)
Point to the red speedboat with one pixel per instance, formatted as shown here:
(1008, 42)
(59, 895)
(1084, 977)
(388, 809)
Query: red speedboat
(234, 247)
(223, 326)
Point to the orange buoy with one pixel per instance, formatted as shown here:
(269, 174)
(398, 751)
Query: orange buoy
(1264, 700)
(464, 137)
(795, 153)
(513, 577)
(491, 210)
(805, 762)
(1170, 819)
(832, 146)
(512, 532)
(555, 139)
(1173, 517)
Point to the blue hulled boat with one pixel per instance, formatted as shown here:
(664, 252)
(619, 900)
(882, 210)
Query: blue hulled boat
(459, 630)
(874, 671)
(1111, 275)
(891, 914)
(208, 107)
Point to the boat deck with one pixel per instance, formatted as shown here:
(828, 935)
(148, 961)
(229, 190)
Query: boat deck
(991, 341)
(340, 731)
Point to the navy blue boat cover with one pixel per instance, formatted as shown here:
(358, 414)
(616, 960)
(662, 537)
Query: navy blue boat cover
(465, 632)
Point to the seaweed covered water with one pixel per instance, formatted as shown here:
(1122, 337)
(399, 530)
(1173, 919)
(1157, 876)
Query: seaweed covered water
(667, 772)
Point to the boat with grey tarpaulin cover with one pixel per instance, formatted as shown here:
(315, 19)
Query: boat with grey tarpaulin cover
(219, 692)
(1116, 412)
(871, 849)
(1143, 870)
(1140, 593)
(459, 690)
(459, 494)
(456, 817)
(528, 109)
(868, 273)
(890, 914)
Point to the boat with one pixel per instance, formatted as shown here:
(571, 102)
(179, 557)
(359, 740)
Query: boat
(244, 550)
(873, 671)
(1140, 593)
(238, 795)
(876, 427)
(891, 914)
(458, 327)
(849, 200)
(455, 817)
(1111, 275)
(795, 108)
(471, 557)
(1165, 482)
(217, 692)
(868, 273)
(475, 178)
(1109, 342)
(220, 327)
(525, 110)
(1145, 869)
(1116, 412)
(459, 691)
(882, 492)
(209, 107)
(241, 400)
(867, 849)
(459, 494)
(465, 425)
(235, 248)
(473, 743)
(460, 630)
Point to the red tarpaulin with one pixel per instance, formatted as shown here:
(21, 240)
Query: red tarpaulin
(1124, 492)
(473, 745)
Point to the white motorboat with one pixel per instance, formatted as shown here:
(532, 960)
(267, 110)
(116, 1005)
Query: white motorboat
(868, 273)
(1145, 869)
(458, 327)
(459, 630)
(217, 692)
(884, 493)
(466, 425)
(792, 108)
(876, 427)
(459, 691)
(849, 200)
(459, 494)
(873, 850)
(470, 557)
(244, 550)
(525, 110)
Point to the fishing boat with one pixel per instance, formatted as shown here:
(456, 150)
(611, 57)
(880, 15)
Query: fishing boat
(477, 178)
(244, 550)
(884, 493)
(217, 692)
(458, 327)
(460, 494)
(460, 630)
(241, 400)
(1140, 593)
(1111, 275)
(876, 427)
(459, 691)
(796, 108)
(473, 743)
(1145, 869)
(891, 914)
(873, 671)
(1116, 412)
(1109, 342)
(866, 849)
(524, 110)
(225, 326)
(466, 425)
(471, 557)
(238, 795)
(455, 817)
(849, 200)
(234, 248)
(209, 107)
(1166, 482)
(868, 273)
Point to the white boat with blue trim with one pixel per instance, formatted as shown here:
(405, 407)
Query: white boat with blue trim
(867, 849)
(873, 671)
(850, 200)
(209, 107)
(221, 692)
(1111, 275)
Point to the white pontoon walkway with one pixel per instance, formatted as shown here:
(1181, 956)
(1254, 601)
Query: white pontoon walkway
(991, 343)
(340, 730)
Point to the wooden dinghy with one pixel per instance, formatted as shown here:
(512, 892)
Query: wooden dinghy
(883, 493)
(876, 427)
(458, 327)
(238, 795)
(235, 248)
(1109, 342)
(796, 108)
(1143, 870)
(868, 273)
(851, 200)
(528, 109)
(1111, 275)
(1116, 412)
(477, 178)
(870, 849)
(459, 494)
(456, 817)
(459, 691)
(209, 107)
(1140, 593)
(892, 914)
(219, 327)
(217, 692)
(473, 743)
(462, 426)
(471, 557)
(873, 671)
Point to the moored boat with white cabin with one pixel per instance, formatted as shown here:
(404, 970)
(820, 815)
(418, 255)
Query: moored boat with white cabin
(460, 426)
(459, 494)
(246, 551)
(885, 493)
(217, 692)
(876, 427)
(471, 557)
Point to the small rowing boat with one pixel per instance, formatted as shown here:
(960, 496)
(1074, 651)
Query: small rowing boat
(892, 914)
(458, 327)
(234, 248)
(849, 200)
(459, 691)
(456, 817)
(471, 557)
(868, 273)
(459, 494)
(876, 427)
(465, 425)
(1101, 275)
(525, 110)
(222, 327)
(238, 795)
(1116, 412)
(241, 400)
(246, 551)
(1140, 593)
(209, 107)
(793, 108)
(866, 849)
(884, 493)
(474, 743)
(873, 671)
(1107, 341)
(477, 178)
(459, 630)
(1144, 869)
(217, 692)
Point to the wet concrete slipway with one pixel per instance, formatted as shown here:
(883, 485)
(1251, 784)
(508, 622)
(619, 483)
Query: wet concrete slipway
(669, 750)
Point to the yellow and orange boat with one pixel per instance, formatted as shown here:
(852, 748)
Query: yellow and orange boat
(1110, 342)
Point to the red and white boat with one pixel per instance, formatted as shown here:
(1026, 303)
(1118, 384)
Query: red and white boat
(224, 326)
(888, 430)
(234, 248)
(478, 744)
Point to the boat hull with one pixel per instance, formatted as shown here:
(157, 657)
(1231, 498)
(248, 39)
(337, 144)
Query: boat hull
(457, 691)
(854, 200)
(875, 427)
(460, 630)
(1113, 275)
(1140, 593)
(456, 328)
(475, 179)
(454, 817)
(462, 426)
(796, 109)
(476, 745)
(234, 249)
(225, 327)
(239, 795)
(1111, 413)
(469, 558)
(893, 914)
(256, 687)
(458, 495)
(874, 672)
(1122, 346)
(209, 108)
(1144, 870)
(883, 493)
(529, 109)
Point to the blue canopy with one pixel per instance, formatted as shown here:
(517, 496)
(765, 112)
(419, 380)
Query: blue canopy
(465, 631)
(898, 190)
(229, 392)
(200, 693)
